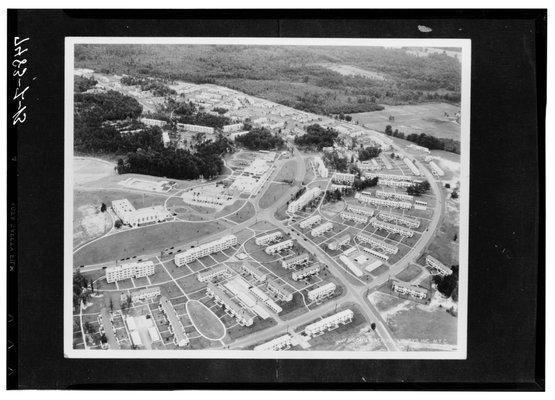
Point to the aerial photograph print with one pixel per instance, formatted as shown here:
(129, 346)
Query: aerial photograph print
(266, 198)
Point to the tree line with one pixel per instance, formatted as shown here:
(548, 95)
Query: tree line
(260, 139)
(146, 84)
(428, 141)
(317, 137)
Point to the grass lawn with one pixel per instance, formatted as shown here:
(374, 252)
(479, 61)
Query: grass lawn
(146, 240)
(409, 273)
(287, 171)
(258, 325)
(274, 192)
(243, 214)
(293, 308)
(205, 321)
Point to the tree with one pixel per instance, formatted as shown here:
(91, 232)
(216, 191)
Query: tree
(447, 285)
(111, 305)
(447, 186)
(388, 130)
(373, 326)
(118, 224)
(103, 207)
(418, 189)
(348, 118)
(454, 195)
(369, 153)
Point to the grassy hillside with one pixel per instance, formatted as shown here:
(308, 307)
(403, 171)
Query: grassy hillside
(297, 76)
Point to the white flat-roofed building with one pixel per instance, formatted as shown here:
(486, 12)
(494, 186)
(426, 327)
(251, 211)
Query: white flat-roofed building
(304, 199)
(343, 178)
(289, 263)
(351, 265)
(381, 256)
(360, 210)
(340, 242)
(320, 167)
(280, 343)
(401, 230)
(129, 270)
(123, 209)
(133, 217)
(358, 218)
(420, 205)
(321, 229)
(321, 292)
(235, 135)
(395, 177)
(436, 171)
(276, 248)
(144, 294)
(270, 237)
(175, 325)
(153, 333)
(386, 194)
(260, 121)
(413, 168)
(389, 248)
(232, 128)
(371, 165)
(243, 316)
(281, 291)
(108, 328)
(153, 122)
(307, 223)
(386, 161)
(254, 271)
(307, 271)
(205, 249)
(437, 265)
(220, 270)
(195, 128)
(382, 202)
(395, 184)
(266, 299)
(400, 219)
(373, 265)
(408, 289)
(329, 323)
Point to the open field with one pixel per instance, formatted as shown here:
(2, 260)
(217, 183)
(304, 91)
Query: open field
(205, 321)
(274, 192)
(88, 169)
(350, 70)
(423, 118)
(242, 214)
(146, 240)
(287, 171)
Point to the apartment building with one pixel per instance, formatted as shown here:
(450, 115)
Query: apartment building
(340, 242)
(360, 210)
(280, 290)
(144, 294)
(297, 260)
(307, 223)
(420, 205)
(408, 289)
(270, 237)
(175, 325)
(437, 265)
(220, 270)
(232, 128)
(280, 343)
(400, 219)
(436, 171)
(401, 230)
(276, 248)
(375, 253)
(307, 271)
(413, 168)
(364, 198)
(205, 249)
(143, 216)
(389, 248)
(304, 199)
(272, 305)
(153, 122)
(343, 178)
(330, 323)
(385, 194)
(195, 128)
(358, 218)
(321, 292)
(395, 184)
(256, 272)
(129, 270)
(321, 229)
(243, 316)
(320, 167)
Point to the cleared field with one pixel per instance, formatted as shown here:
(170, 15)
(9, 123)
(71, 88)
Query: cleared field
(350, 70)
(242, 214)
(205, 321)
(287, 171)
(87, 169)
(423, 118)
(409, 273)
(146, 240)
(274, 192)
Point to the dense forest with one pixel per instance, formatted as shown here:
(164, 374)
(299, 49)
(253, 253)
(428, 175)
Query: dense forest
(260, 139)
(156, 87)
(82, 84)
(297, 76)
(428, 141)
(317, 137)
(368, 153)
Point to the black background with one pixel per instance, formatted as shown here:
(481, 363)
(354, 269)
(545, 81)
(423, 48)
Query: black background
(507, 203)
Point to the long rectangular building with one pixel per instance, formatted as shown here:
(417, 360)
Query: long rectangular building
(351, 265)
(254, 271)
(307, 223)
(144, 294)
(280, 343)
(272, 305)
(436, 171)
(329, 323)
(175, 325)
(360, 210)
(389, 248)
(358, 218)
(106, 322)
(399, 218)
(297, 260)
(321, 292)
(339, 242)
(437, 265)
(304, 199)
(408, 289)
(385, 194)
(343, 178)
(401, 230)
(395, 184)
(276, 248)
(321, 229)
(377, 254)
(232, 128)
(281, 291)
(143, 216)
(307, 271)
(243, 316)
(129, 270)
(413, 168)
(270, 237)
(205, 249)
(382, 202)
(195, 128)
(220, 270)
